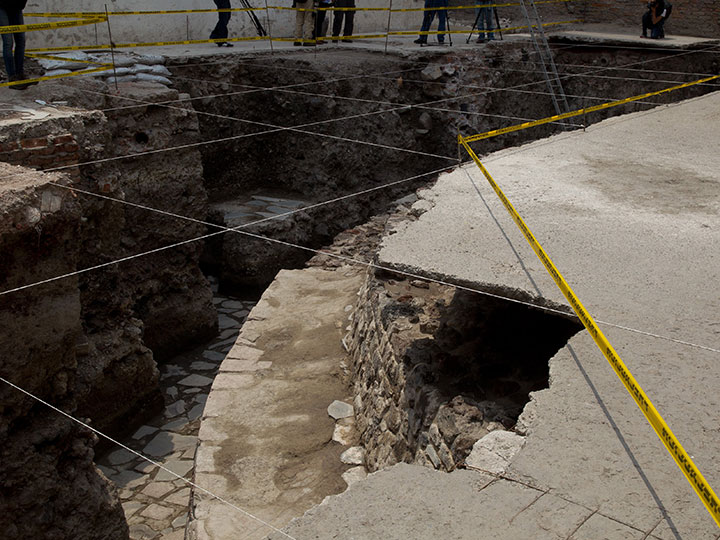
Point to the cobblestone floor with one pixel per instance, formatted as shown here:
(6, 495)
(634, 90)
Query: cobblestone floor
(156, 502)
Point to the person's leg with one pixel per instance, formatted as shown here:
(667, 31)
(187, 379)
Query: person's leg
(657, 31)
(646, 23)
(308, 21)
(220, 31)
(338, 18)
(480, 24)
(349, 19)
(428, 17)
(17, 19)
(299, 21)
(224, 17)
(489, 23)
(7, 40)
(442, 21)
(319, 20)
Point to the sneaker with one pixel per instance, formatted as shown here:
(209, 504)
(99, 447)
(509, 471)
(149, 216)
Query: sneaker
(297, 44)
(420, 41)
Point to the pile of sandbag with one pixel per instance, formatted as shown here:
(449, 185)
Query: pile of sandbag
(129, 67)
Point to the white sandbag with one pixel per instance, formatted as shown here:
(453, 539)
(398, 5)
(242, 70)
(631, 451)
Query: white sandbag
(150, 59)
(110, 72)
(68, 64)
(160, 70)
(123, 79)
(53, 72)
(153, 78)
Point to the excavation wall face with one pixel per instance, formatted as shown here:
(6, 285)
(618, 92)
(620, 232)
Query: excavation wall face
(435, 368)
(50, 487)
(158, 304)
(425, 100)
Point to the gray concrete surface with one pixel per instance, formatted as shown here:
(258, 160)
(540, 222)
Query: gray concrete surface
(266, 438)
(629, 211)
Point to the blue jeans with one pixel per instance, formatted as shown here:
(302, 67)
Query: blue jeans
(484, 18)
(13, 62)
(429, 16)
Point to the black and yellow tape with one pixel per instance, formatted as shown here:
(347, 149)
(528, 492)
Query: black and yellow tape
(49, 25)
(661, 428)
(103, 67)
(578, 112)
(233, 10)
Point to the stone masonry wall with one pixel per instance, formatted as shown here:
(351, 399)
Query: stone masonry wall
(400, 414)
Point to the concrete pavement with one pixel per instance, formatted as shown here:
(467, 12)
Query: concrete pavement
(628, 210)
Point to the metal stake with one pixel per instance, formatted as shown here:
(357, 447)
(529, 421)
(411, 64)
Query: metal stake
(387, 33)
(269, 30)
(112, 47)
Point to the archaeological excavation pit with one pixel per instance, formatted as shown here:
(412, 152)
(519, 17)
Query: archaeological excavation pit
(134, 347)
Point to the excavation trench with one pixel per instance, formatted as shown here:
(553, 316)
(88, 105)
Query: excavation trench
(431, 369)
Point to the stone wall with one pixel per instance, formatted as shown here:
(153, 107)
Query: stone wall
(436, 368)
(402, 416)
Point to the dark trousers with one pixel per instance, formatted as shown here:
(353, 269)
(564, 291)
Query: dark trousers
(349, 17)
(221, 30)
(656, 30)
(429, 16)
(319, 21)
(13, 60)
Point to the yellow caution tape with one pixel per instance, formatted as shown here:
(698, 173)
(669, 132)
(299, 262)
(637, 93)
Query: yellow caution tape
(433, 32)
(263, 38)
(104, 67)
(681, 457)
(48, 26)
(65, 59)
(231, 10)
(571, 114)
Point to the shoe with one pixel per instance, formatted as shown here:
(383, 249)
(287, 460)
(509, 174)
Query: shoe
(21, 77)
(225, 44)
(321, 42)
(347, 40)
(420, 41)
(308, 44)
(334, 40)
(14, 78)
(297, 44)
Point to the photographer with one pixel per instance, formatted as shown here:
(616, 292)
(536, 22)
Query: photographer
(654, 19)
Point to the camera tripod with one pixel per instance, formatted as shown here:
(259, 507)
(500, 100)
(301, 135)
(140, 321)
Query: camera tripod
(477, 17)
(259, 28)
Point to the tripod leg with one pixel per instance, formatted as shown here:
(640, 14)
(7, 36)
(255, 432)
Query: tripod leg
(474, 26)
(447, 23)
(497, 22)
